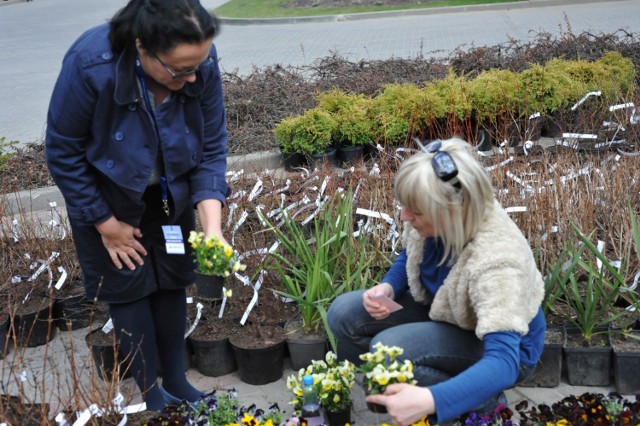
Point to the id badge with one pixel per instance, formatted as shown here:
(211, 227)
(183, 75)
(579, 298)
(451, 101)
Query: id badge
(173, 239)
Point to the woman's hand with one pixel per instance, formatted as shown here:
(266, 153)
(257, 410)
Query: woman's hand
(120, 240)
(406, 404)
(374, 308)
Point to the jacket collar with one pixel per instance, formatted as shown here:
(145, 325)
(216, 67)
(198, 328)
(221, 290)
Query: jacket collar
(126, 90)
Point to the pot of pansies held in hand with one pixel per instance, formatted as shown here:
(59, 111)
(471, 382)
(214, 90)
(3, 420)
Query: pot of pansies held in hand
(333, 381)
(381, 369)
(215, 261)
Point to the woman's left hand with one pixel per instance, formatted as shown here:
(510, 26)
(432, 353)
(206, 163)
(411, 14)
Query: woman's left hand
(406, 404)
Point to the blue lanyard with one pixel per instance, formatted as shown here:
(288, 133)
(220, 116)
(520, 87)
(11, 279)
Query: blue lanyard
(163, 180)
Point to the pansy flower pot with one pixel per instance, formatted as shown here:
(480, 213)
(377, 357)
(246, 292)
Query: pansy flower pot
(209, 287)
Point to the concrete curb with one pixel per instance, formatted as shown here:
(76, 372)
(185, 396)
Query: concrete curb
(38, 199)
(407, 12)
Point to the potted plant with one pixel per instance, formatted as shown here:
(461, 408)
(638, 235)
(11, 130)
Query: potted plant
(625, 343)
(309, 134)
(333, 381)
(400, 112)
(496, 100)
(381, 369)
(354, 125)
(215, 261)
(588, 293)
(314, 270)
(259, 351)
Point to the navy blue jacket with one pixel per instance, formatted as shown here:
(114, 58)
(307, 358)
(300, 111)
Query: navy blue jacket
(101, 142)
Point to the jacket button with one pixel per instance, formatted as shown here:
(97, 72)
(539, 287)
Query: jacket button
(186, 130)
(181, 98)
(110, 164)
(132, 107)
(119, 136)
(194, 156)
(107, 56)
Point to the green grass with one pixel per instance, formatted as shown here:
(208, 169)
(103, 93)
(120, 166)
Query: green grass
(274, 8)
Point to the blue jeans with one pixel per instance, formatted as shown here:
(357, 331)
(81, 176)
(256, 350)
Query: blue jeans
(438, 350)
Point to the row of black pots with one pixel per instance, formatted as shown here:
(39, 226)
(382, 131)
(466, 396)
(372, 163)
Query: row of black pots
(256, 366)
(342, 155)
(36, 324)
(586, 366)
(215, 358)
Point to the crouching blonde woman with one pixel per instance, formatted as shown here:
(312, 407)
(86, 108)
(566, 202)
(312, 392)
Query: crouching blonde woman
(471, 321)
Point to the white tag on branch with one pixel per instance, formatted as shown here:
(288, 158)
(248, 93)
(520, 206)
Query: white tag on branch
(199, 307)
(83, 417)
(500, 164)
(257, 189)
(55, 220)
(14, 230)
(62, 279)
(61, 420)
(22, 377)
(135, 408)
(108, 326)
(254, 299)
(374, 214)
(243, 218)
(232, 208)
(189, 300)
(45, 266)
(285, 187)
(316, 211)
(516, 209)
(224, 301)
(600, 247)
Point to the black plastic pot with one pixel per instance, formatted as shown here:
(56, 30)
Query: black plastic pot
(338, 418)
(35, 327)
(587, 366)
(259, 366)
(626, 366)
(326, 160)
(73, 313)
(549, 368)
(106, 356)
(214, 358)
(349, 155)
(304, 348)
(292, 162)
(209, 287)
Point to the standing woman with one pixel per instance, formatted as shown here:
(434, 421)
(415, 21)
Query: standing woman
(136, 140)
(471, 321)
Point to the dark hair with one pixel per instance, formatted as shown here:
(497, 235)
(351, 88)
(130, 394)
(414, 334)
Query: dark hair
(161, 24)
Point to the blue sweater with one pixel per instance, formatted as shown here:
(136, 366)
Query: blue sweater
(503, 351)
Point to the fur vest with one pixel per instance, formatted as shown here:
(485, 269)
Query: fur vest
(494, 284)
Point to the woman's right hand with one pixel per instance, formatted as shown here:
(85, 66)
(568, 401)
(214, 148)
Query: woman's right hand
(373, 307)
(120, 240)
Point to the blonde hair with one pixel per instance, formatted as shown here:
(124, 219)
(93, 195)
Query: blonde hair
(456, 214)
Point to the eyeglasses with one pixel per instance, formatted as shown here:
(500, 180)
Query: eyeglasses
(183, 74)
(442, 162)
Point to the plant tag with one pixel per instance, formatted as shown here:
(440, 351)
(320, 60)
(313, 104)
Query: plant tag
(62, 279)
(136, 408)
(61, 420)
(173, 239)
(387, 302)
(108, 326)
(83, 418)
(199, 306)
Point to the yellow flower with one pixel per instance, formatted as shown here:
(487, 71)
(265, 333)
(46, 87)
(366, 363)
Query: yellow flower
(228, 251)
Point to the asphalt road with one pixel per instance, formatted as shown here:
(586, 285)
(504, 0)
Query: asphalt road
(35, 35)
